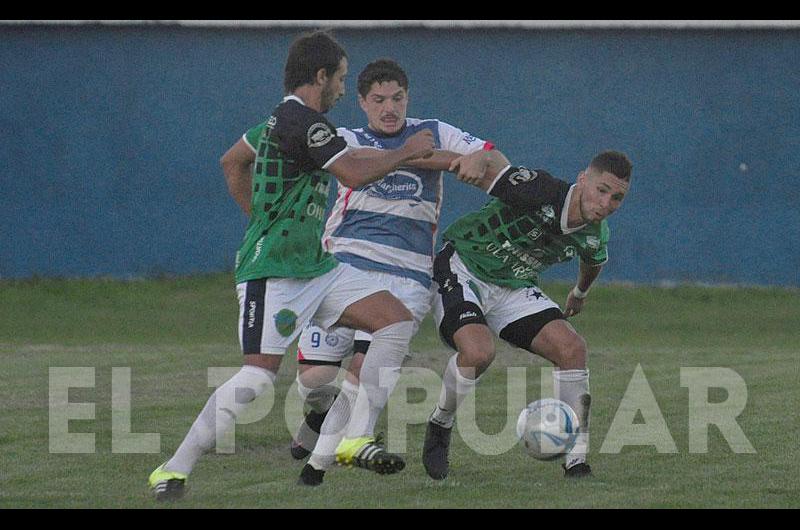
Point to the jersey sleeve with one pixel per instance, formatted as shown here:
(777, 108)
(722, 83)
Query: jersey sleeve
(251, 137)
(318, 138)
(454, 139)
(526, 190)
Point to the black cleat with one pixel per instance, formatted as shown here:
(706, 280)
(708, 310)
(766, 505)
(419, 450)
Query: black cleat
(170, 490)
(298, 451)
(309, 433)
(310, 476)
(577, 471)
(435, 450)
(167, 485)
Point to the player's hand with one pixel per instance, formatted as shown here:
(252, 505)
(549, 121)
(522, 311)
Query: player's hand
(574, 305)
(471, 168)
(420, 145)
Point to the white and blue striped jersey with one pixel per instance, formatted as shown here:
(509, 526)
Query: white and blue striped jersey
(390, 225)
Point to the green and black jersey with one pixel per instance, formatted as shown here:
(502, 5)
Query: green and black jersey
(523, 231)
(290, 191)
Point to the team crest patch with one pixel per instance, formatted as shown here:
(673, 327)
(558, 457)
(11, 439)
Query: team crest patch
(522, 174)
(285, 322)
(319, 134)
(593, 242)
(331, 340)
(547, 213)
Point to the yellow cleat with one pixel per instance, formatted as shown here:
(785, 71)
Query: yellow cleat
(167, 485)
(367, 453)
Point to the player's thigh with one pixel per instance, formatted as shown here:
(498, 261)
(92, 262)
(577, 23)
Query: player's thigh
(458, 303)
(522, 316)
(359, 303)
(375, 312)
(415, 296)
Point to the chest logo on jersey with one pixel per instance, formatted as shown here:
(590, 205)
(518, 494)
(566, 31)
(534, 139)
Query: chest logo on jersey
(547, 213)
(397, 186)
(319, 134)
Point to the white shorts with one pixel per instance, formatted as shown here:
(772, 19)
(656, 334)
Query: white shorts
(316, 346)
(273, 311)
(501, 306)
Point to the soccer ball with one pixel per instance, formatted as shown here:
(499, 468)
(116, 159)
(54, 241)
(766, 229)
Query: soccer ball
(547, 428)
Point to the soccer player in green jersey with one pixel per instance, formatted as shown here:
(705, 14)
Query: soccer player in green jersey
(284, 277)
(488, 277)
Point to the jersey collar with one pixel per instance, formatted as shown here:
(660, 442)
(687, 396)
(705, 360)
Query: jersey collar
(565, 214)
(297, 99)
(377, 134)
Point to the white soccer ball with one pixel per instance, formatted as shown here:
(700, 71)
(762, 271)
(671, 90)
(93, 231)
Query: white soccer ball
(547, 428)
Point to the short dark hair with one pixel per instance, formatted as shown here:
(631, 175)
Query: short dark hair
(614, 162)
(381, 71)
(310, 52)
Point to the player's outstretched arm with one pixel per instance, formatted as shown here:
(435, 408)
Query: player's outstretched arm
(237, 164)
(480, 168)
(359, 167)
(439, 161)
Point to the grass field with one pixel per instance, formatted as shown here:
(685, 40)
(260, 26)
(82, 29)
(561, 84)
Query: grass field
(170, 331)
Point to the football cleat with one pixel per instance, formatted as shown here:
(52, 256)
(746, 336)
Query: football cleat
(435, 450)
(368, 453)
(307, 435)
(167, 485)
(310, 476)
(581, 469)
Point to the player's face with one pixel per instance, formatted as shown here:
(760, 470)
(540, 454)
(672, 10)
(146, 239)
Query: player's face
(334, 88)
(601, 194)
(385, 105)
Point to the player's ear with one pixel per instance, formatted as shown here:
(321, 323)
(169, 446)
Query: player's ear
(362, 103)
(321, 77)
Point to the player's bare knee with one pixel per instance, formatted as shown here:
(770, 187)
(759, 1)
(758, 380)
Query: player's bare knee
(572, 353)
(476, 355)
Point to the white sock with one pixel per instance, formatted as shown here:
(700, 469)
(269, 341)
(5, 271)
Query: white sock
(318, 399)
(379, 375)
(572, 387)
(233, 397)
(333, 428)
(455, 388)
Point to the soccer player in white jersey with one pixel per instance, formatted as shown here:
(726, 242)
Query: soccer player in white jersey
(387, 228)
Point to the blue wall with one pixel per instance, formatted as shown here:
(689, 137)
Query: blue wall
(112, 137)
